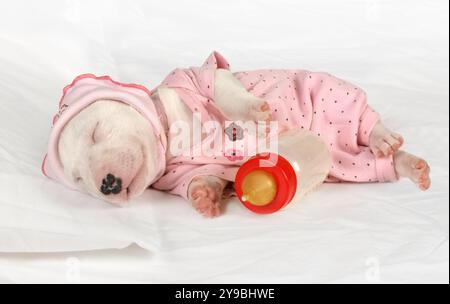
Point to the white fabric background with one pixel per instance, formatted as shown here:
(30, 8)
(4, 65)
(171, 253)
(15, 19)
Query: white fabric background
(396, 50)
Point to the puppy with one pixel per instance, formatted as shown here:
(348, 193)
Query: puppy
(113, 140)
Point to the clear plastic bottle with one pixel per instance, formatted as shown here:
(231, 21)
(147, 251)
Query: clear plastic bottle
(273, 178)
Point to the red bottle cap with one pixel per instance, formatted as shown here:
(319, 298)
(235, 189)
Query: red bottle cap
(266, 183)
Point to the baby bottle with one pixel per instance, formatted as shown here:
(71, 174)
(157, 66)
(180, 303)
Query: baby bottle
(273, 178)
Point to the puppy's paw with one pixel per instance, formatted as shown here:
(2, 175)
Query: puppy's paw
(205, 194)
(414, 168)
(383, 142)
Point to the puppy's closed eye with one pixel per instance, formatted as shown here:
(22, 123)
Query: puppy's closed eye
(95, 133)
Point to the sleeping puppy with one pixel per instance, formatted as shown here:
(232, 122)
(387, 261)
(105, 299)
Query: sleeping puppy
(108, 146)
(109, 140)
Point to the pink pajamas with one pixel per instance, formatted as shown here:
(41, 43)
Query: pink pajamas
(332, 108)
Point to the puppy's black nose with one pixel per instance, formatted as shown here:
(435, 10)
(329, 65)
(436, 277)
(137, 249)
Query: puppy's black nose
(111, 185)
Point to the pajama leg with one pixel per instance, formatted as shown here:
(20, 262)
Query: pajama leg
(361, 167)
(353, 161)
(342, 117)
(367, 121)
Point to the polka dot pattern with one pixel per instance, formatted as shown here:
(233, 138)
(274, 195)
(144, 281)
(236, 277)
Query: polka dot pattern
(332, 108)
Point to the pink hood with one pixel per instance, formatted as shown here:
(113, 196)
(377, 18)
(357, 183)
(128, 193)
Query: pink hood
(82, 92)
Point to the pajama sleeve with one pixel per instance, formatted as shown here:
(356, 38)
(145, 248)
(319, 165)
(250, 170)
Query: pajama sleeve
(178, 177)
(195, 86)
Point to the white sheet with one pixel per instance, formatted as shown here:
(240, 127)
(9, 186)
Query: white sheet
(397, 51)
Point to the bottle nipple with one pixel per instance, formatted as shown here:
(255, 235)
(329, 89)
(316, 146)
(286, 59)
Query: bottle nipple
(259, 188)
